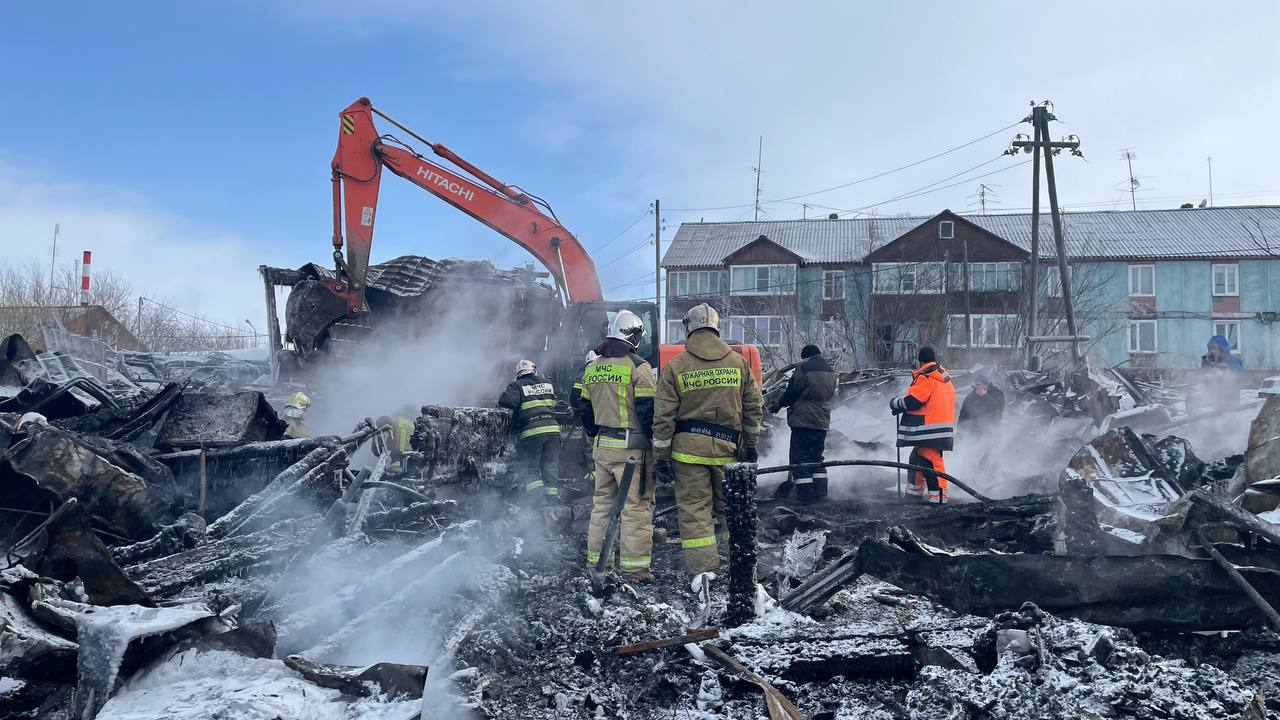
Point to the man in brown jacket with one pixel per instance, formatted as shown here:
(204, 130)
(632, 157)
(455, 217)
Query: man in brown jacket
(708, 413)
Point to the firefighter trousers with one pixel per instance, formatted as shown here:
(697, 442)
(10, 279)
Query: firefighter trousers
(930, 486)
(808, 445)
(538, 463)
(635, 535)
(700, 501)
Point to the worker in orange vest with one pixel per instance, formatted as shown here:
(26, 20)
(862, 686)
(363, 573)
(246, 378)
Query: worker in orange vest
(928, 425)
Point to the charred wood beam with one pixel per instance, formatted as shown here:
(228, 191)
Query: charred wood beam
(242, 512)
(168, 576)
(414, 494)
(306, 494)
(187, 533)
(779, 707)
(1272, 616)
(410, 513)
(740, 514)
(693, 636)
(1241, 519)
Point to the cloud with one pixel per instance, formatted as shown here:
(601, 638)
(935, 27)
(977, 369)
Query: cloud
(675, 95)
(198, 268)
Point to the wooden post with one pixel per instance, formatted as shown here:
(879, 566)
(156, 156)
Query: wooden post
(202, 481)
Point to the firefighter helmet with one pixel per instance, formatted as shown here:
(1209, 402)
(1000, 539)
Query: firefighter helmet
(701, 316)
(525, 367)
(298, 400)
(628, 327)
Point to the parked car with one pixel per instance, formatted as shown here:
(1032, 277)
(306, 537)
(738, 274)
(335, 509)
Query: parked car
(1270, 387)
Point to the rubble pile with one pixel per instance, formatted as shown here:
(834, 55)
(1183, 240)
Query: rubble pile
(204, 567)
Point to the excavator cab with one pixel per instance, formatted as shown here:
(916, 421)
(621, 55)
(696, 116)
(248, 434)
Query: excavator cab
(582, 327)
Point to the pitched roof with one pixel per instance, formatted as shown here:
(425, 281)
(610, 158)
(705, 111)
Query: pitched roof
(1202, 232)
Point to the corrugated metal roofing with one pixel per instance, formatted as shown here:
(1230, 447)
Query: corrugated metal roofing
(1203, 232)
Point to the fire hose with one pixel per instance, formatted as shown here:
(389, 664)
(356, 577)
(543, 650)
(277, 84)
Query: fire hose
(873, 463)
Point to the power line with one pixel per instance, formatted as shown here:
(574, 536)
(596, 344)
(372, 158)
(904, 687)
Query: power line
(648, 211)
(851, 183)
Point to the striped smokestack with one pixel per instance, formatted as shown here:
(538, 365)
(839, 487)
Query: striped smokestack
(84, 278)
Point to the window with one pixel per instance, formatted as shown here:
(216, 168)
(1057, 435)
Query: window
(1142, 335)
(1142, 280)
(987, 331)
(833, 285)
(907, 278)
(1226, 280)
(947, 230)
(675, 332)
(697, 283)
(762, 279)
(1055, 280)
(754, 329)
(1229, 329)
(985, 276)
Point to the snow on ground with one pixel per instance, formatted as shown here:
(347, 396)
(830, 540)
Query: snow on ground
(204, 684)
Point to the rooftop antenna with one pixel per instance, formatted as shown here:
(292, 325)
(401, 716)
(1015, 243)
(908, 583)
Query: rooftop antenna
(1128, 156)
(757, 168)
(57, 228)
(986, 194)
(1210, 160)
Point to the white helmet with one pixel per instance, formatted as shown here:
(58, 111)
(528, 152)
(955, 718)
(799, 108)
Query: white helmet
(628, 327)
(525, 367)
(701, 316)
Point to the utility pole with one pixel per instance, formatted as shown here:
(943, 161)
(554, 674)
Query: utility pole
(1039, 119)
(757, 168)
(657, 272)
(57, 228)
(1128, 156)
(968, 315)
(1210, 158)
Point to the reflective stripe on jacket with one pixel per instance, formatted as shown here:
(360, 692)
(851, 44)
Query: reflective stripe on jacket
(929, 416)
(533, 399)
(616, 401)
(708, 402)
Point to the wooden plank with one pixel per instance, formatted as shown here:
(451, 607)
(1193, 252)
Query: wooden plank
(693, 636)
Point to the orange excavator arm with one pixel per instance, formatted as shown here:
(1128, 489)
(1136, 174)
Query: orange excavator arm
(357, 171)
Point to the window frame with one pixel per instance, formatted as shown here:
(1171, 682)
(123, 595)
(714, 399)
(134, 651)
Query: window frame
(1155, 337)
(771, 288)
(675, 328)
(1140, 267)
(831, 279)
(946, 225)
(915, 269)
(1053, 280)
(694, 281)
(1234, 291)
(1239, 328)
(752, 338)
(1000, 321)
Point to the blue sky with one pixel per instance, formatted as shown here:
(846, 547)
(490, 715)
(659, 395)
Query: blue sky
(186, 143)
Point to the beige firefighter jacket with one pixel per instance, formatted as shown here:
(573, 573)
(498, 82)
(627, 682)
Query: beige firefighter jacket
(616, 402)
(708, 402)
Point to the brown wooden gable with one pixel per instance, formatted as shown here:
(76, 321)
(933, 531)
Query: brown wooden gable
(762, 251)
(923, 243)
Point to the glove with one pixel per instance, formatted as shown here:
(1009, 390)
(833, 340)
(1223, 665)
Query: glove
(895, 406)
(664, 472)
(748, 454)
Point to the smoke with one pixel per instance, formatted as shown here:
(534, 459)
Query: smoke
(454, 352)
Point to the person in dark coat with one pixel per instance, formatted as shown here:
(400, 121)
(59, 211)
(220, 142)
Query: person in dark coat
(808, 401)
(983, 410)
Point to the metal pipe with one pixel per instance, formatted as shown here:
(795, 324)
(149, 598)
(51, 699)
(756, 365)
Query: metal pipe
(1272, 616)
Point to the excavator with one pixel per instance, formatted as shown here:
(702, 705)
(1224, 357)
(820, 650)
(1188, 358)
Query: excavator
(330, 312)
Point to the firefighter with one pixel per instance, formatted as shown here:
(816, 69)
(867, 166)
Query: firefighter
(398, 444)
(533, 399)
(808, 401)
(294, 410)
(616, 406)
(708, 412)
(927, 425)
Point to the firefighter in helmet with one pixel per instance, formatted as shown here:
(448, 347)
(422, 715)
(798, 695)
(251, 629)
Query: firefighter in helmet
(295, 409)
(708, 413)
(616, 406)
(533, 400)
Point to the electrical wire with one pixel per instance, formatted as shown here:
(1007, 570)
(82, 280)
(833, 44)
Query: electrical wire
(851, 183)
(625, 230)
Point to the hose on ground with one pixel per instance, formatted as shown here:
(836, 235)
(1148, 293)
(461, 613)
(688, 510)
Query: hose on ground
(873, 463)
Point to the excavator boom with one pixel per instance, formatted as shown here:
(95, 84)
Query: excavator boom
(357, 169)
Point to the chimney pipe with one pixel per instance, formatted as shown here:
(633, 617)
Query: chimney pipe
(84, 278)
